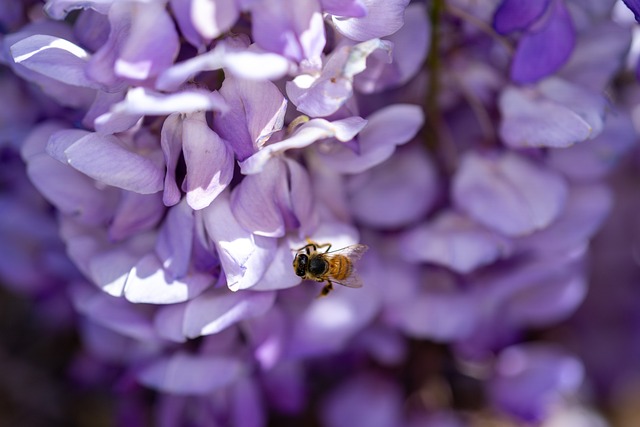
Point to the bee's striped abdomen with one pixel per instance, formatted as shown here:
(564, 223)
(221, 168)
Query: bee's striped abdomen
(339, 267)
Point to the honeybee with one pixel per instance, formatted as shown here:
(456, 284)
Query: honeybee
(329, 266)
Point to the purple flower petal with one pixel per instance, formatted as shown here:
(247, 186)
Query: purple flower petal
(515, 15)
(151, 44)
(108, 269)
(191, 375)
(285, 387)
(54, 57)
(384, 17)
(182, 10)
(211, 18)
(291, 28)
(531, 379)
(546, 49)
(70, 191)
(406, 181)
(99, 117)
(279, 274)
(104, 159)
(365, 401)
(256, 111)
(305, 135)
(347, 8)
(386, 128)
(218, 309)
(558, 114)
(209, 162)
(244, 256)
(113, 313)
(175, 239)
(410, 48)
(273, 201)
(135, 214)
(323, 95)
(171, 143)
(234, 56)
(149, 283)
(248, 406)
(329, 323)
(169, 321)
(267, 335)
(455, 242)
(598, 55)
(586, 208)
(58, 9)
(101, 67)
(141, 101)
(634, 5)
(549, 300)
(592, 160)
(508, 193)
(438, 316)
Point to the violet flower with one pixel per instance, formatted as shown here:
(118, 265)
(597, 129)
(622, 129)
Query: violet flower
(188, 148)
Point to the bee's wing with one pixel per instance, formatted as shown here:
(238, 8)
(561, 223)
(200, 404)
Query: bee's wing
(352, 281)
(353, 252)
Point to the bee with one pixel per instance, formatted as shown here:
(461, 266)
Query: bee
(329, 266)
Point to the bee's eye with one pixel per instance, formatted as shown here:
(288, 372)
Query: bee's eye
(301, 265)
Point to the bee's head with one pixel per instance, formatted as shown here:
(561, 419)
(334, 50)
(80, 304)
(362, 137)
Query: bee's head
(300, 263)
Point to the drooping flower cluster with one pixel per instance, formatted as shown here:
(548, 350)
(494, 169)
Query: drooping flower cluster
(189, 147)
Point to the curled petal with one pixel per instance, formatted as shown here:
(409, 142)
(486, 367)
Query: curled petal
(58, 9)
(234, 56)
(243, 255)
(348, 8)
(273, 201)
(386, 128)
(143, 101)
(175, 240)
(279, 274)
(55, 58)
(256, 111)
(410, 49)
(217, 309)
(213, 17)
(291, 28)
(209, 162)
(384, 17)
(305, 135)
(325, 94)
(149, 283)
(171, 143)
(151, 44)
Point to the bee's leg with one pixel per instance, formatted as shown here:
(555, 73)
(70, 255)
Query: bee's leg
(326, 289)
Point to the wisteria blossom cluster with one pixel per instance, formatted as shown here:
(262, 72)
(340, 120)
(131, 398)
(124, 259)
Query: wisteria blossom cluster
(163, 160)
